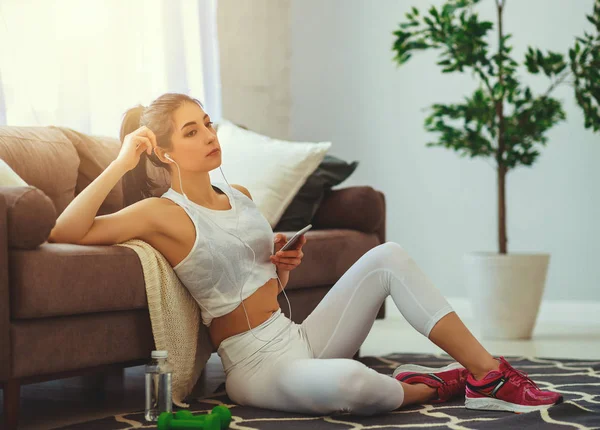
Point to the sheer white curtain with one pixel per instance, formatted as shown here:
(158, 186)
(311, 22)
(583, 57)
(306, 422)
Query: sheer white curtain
(81, 64)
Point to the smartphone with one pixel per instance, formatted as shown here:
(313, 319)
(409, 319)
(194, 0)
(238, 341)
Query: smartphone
(290, 243)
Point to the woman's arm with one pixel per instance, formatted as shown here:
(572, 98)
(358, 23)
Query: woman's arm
(284, 277)
(79, 218)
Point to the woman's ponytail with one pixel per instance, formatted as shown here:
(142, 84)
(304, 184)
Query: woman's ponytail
(136, 183)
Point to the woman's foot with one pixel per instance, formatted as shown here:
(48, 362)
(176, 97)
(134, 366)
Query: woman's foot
(507, 389)
(449, 381)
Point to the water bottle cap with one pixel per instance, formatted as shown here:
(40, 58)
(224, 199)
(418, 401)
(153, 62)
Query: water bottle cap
(160, 354)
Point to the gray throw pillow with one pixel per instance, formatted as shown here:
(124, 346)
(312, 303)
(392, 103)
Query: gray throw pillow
(331, 172)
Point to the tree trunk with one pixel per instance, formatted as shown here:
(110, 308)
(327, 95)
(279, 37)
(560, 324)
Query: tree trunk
(502, 239)
(502, 170)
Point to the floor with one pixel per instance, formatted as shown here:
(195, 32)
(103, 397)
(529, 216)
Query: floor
(58, 403)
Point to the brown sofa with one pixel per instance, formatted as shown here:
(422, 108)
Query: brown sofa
(68, 310)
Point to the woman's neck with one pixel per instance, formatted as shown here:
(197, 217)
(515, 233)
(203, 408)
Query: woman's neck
(197, 187)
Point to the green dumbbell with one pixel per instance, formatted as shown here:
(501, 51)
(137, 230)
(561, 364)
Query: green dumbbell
(222, 411)
(167, 421)
(218, 419)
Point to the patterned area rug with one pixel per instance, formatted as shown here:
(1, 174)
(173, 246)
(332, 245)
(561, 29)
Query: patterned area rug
(578, 381)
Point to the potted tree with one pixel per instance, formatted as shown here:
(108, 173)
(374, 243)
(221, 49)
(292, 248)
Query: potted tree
(505, 121)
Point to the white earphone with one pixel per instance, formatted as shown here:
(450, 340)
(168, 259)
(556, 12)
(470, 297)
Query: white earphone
(168, 157)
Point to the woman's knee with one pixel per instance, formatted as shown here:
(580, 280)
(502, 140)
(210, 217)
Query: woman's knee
(393, 248)
(390, 254)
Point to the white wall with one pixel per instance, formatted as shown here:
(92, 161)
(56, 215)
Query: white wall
(346, 88)
(254, 45)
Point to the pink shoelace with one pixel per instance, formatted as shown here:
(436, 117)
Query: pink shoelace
(518, 376)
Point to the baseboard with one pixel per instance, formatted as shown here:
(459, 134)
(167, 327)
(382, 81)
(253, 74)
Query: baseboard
(551, 311)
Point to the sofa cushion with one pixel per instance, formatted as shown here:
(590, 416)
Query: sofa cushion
(44, 158)
(30, 214)
(64, 279)
(61, 279)
(95, 154)
(358, 208)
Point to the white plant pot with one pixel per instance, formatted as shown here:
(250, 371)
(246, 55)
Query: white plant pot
(505, 292)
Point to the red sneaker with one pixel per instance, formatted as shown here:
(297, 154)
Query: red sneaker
(507, 389)
(450, 380)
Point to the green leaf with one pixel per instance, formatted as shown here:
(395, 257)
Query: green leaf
(572, 54)
(498, 91)
(531, 62)
(406, 25)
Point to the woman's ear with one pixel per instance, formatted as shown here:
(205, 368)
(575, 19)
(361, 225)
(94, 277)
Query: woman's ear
(160, 153)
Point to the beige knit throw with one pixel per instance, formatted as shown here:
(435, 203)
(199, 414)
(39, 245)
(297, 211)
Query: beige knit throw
(175, 319)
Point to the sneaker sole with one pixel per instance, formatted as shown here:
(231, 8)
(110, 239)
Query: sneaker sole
(491, 404)
(424, 369)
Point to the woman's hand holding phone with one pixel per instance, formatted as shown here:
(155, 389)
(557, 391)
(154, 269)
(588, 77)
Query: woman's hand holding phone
(289, 256)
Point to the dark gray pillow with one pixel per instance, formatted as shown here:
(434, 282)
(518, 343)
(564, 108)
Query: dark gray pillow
(331, 172)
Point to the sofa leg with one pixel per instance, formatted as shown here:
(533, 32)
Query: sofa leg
(114, 381)
(98, 384)
(12, 400)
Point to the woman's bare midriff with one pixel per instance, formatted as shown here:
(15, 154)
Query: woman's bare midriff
(260, 306)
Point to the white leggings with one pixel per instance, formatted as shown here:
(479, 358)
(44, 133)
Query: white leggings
(307, 368)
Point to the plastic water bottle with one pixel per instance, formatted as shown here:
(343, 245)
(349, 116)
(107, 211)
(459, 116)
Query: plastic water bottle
(158, 386)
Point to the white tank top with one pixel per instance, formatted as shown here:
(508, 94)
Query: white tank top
(219, 263)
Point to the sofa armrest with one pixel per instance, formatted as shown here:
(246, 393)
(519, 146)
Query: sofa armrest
(4, 295)
(30, 216)
(27, 216)
(356, 208)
